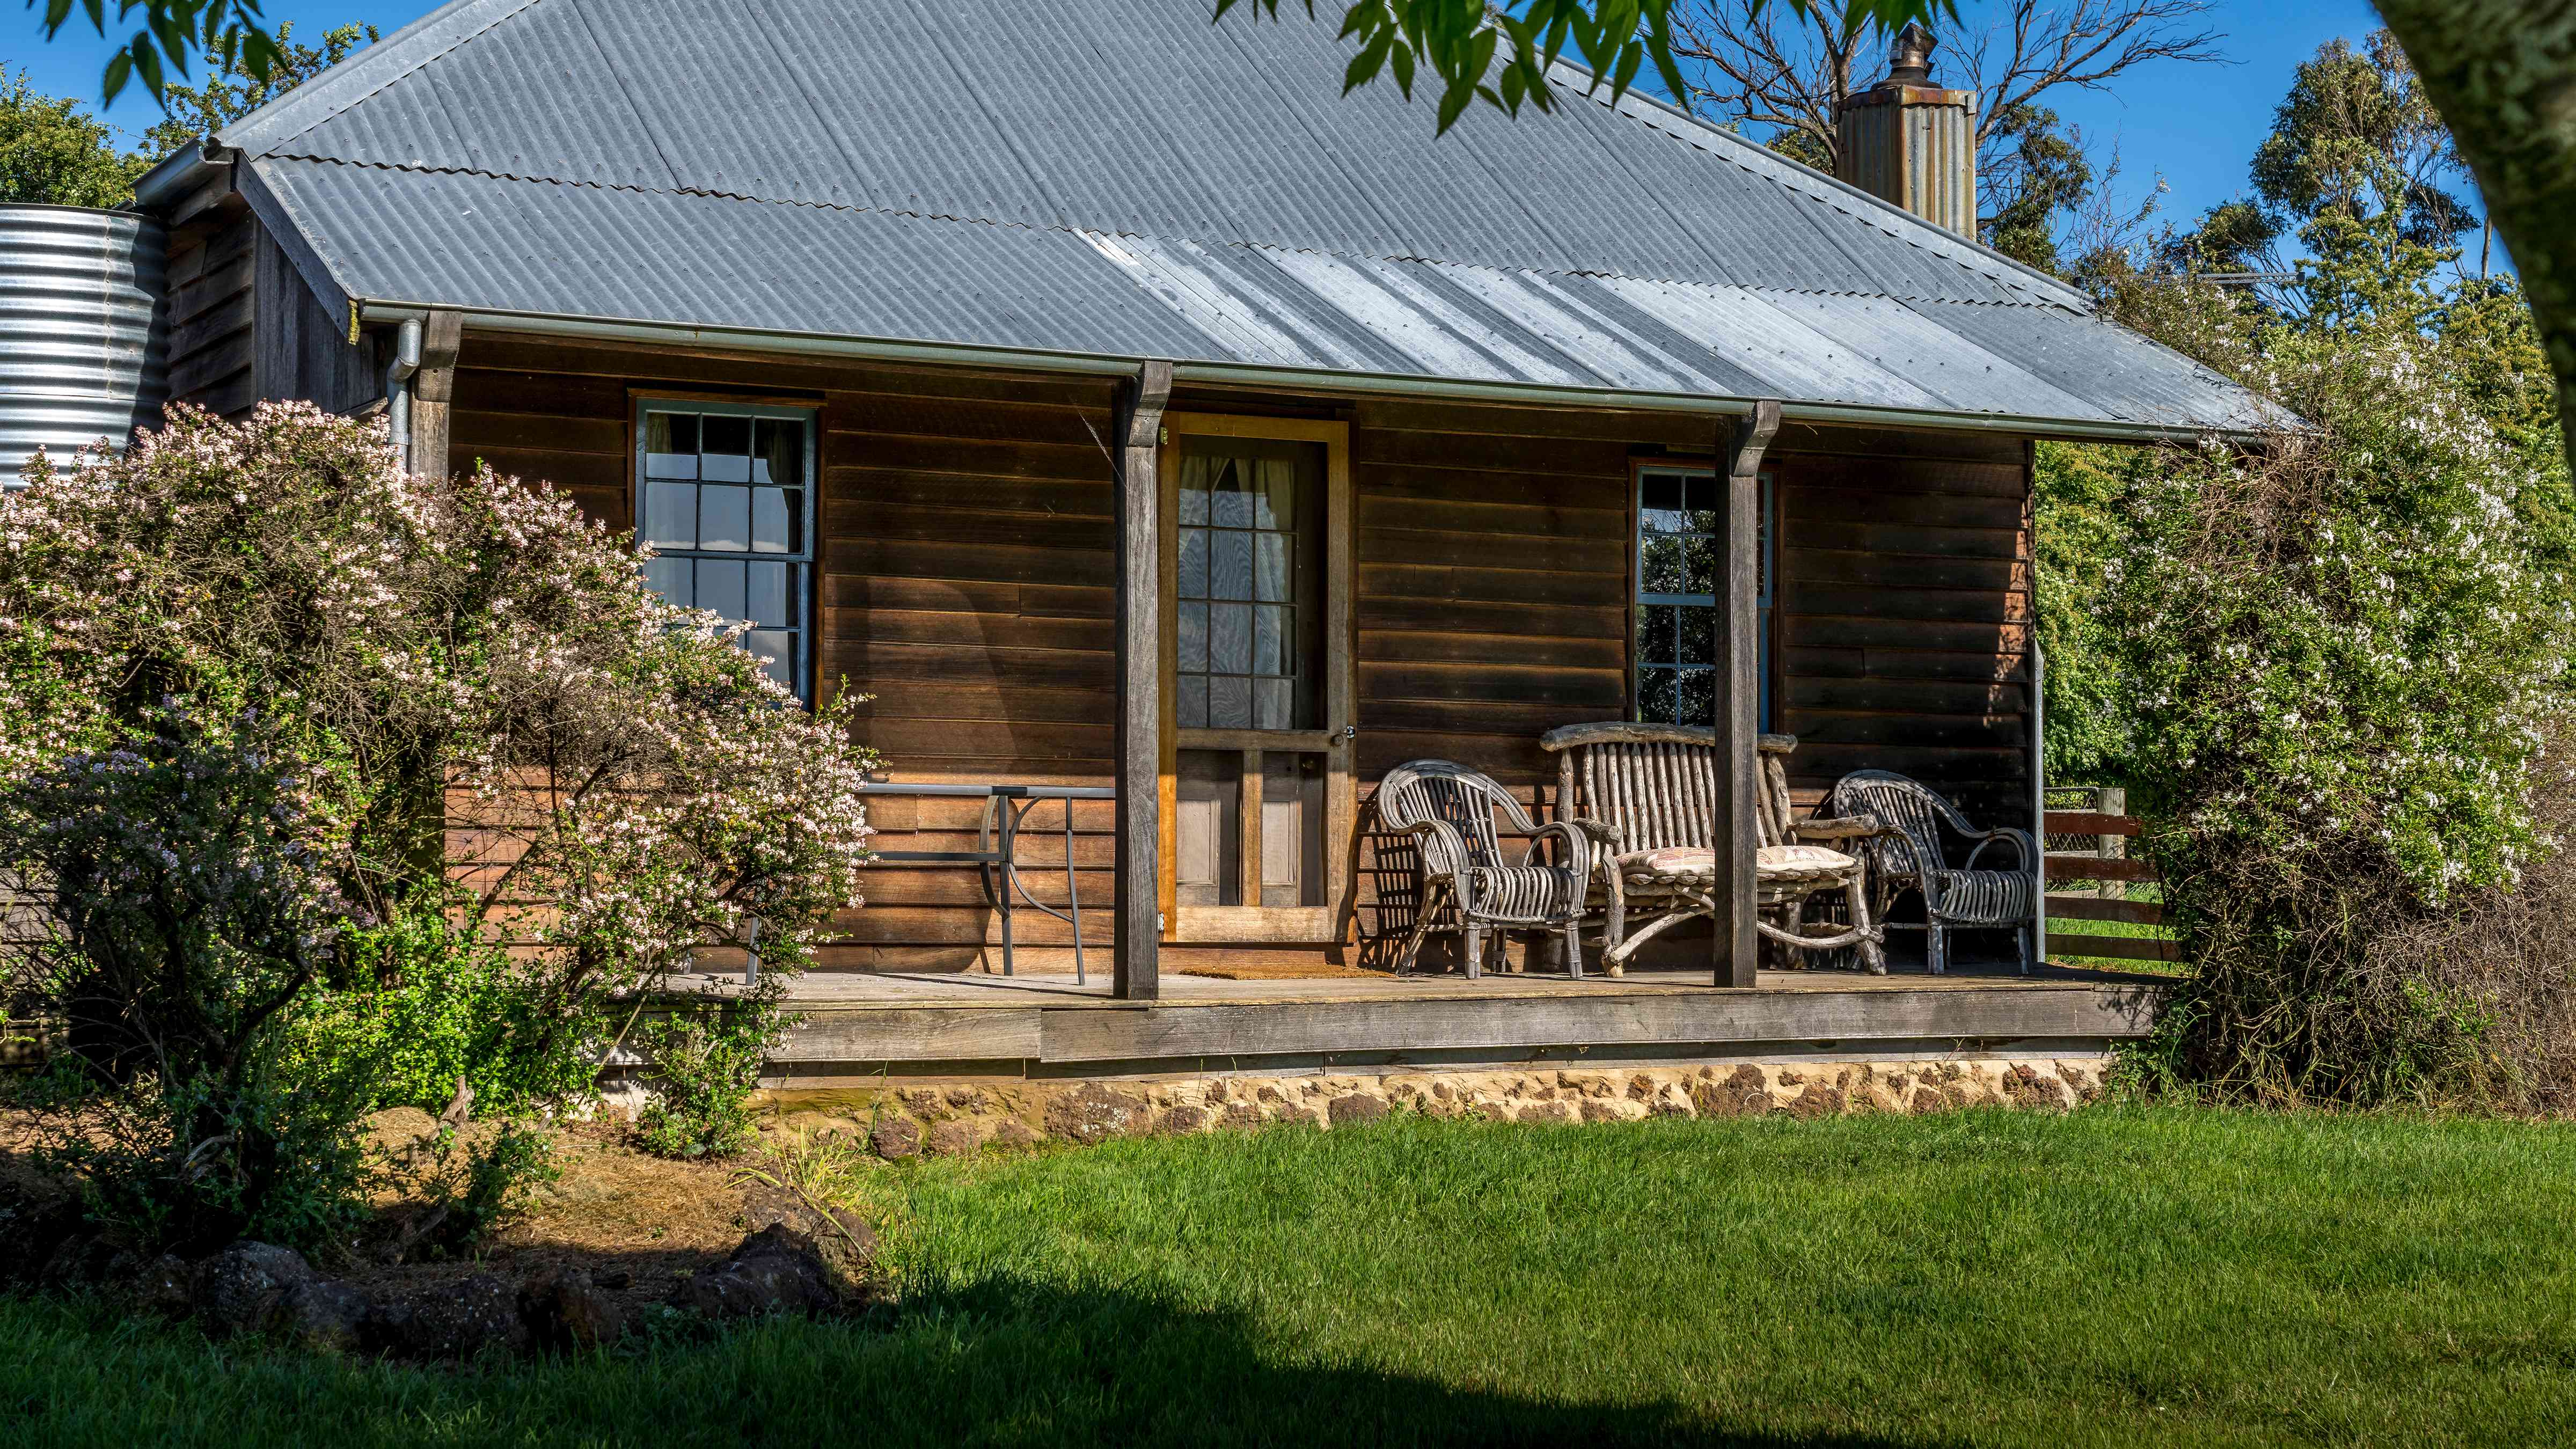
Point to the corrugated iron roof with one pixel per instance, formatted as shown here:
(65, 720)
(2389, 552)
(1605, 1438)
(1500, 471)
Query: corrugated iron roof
(1120, 178)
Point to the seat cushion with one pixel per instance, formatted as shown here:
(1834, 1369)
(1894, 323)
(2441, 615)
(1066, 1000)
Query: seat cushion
(1684, 860)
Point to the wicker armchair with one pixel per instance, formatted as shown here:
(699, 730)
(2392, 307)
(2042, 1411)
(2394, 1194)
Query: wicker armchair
(1647, 790)
(1909, 856)
(1449, 811)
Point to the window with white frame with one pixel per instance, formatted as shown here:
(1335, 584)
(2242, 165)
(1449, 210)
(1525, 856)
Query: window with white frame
(1681, 556)
(724, 495)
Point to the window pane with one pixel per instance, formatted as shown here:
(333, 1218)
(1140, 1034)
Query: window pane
(671, 515)
(1274, 493)
(1700, 567)
(1229, 702)
(1229, 565)
(1274, 636)
(1660, 491)
(720, 587)
(1194, 638)
(1694, 696)
(1698, 636)
(1230, 638)
(720, 433)
(724, 518)
(778, 451)
(671, 433)
(1664, 520)
(770, 529)
(1704, 494)
(1231, 507)
(1655, 695)
(1193, 694)
(1271, 580)
(1660, 569)
(671, 465)
(1194, 562)
(1277, 703)
(1194, 489)
(778, 646)
(668, 577)
(1655, 632)
(770, 601)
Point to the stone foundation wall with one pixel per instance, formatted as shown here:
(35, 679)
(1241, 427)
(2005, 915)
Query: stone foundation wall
(955, 1118)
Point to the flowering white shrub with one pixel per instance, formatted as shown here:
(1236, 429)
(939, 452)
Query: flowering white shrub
(2344, 647)
(412, 648)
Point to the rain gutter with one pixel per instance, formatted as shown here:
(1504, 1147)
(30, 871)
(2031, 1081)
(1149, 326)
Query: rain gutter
(1311, 381)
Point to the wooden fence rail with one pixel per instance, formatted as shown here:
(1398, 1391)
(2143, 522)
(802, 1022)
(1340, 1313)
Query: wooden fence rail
(2108, 861)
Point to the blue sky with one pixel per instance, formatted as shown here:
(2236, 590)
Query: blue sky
(2196, 125)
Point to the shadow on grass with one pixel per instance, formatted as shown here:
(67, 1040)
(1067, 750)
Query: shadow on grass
(1004, 1362)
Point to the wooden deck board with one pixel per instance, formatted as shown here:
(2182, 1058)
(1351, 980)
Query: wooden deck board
(1047, 1020)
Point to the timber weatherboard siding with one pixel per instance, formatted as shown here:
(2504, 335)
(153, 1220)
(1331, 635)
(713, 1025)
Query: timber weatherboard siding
(966, 568)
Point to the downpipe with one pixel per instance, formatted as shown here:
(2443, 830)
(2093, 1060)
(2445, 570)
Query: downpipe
(398, 376)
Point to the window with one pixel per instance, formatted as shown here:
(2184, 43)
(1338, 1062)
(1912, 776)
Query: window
(1680, 558)
(723, 494)
(1250, 554)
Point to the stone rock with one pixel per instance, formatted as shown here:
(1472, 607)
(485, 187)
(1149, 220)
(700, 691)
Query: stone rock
(1095, 1112)
(1184, 1119)
(238, 1289)
(951, 1139)
(1012, 1132)
(895, 1138)
(1355, 1108)
(1597, 1110)
(1547, 1112)
(162, 1286)
(323, 1315)
(1818, 1100)
(1241, 1116)
(928, 1103)
(1741, 1093)
(455, 1318)
(565, 1309)
(776, 1270)
(966, 1099)
(32, 1231)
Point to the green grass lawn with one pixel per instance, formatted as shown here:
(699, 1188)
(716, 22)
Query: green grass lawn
(2116, 1276)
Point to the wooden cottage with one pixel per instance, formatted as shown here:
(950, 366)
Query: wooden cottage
(1119, 405)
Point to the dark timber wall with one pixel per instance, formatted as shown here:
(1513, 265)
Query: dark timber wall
(244, 326)
(965, 574)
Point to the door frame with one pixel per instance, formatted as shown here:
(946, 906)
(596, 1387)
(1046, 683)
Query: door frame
(1323, 924)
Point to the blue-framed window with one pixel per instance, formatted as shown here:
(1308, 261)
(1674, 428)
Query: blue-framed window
(724, 494)
(1680, 557)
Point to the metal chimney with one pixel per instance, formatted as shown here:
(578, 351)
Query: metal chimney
(1908, 141)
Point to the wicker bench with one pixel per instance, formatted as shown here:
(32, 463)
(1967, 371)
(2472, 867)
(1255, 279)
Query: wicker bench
(1648, 790)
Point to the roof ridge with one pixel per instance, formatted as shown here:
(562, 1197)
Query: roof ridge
(1798, 176)
(1016, 224)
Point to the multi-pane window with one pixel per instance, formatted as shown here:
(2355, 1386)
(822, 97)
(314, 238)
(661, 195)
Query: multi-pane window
(1681, 557)
(1248, 628)
(725, 499)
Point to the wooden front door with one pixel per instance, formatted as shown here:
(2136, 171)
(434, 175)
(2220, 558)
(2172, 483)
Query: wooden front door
(1257, 688)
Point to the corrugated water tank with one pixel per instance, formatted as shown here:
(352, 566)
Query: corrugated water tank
(84, 351)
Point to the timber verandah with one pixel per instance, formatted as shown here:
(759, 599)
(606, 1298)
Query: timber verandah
(965, 576)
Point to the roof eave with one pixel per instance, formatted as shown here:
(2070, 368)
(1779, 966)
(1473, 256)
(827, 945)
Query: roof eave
(1313, 381)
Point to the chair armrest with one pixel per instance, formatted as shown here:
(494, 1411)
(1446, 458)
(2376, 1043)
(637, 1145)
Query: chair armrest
(2018, 837)
(1600, 830)
(1450, 851)
(1578, 848)
(1850, 827)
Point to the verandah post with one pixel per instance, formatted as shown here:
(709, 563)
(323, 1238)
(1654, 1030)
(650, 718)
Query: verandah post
(1137, 973)
(1734, 943)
